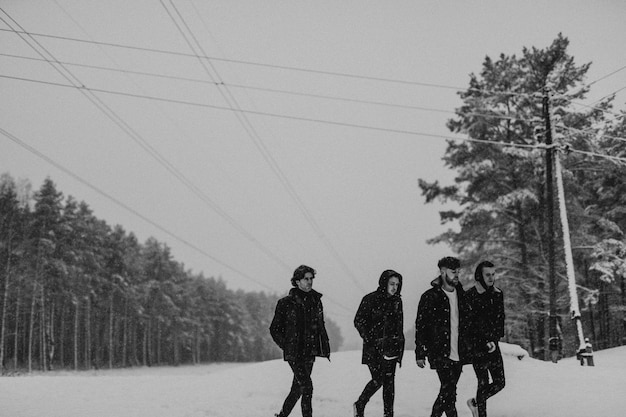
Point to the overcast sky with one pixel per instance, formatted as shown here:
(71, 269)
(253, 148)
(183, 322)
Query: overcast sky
(300, 141)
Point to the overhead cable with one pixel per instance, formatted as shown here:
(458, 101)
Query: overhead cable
(595, 108)
(271, 90)
(607, 76)
(137, 138)
(256, 139)
(274, 66)
(589, 133)
(260, 113)
(609, 95)
(136, 213)
(599, 155)
(119, 203)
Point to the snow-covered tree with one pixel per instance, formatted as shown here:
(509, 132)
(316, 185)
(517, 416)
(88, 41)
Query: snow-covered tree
(499, 190)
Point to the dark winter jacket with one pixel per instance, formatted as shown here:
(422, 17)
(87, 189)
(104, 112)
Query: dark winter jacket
(487, 319)
(379, 320)
(432, 326)
(298, 326)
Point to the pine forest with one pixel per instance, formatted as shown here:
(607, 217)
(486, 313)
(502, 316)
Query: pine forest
(79, 294)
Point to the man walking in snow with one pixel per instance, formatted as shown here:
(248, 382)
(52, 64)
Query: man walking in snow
(441, 333)
(298, 329)
(487, 327)
(379, 320)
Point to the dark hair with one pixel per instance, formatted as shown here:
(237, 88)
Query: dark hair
(449, 262)
(478, 274)
(299, 273)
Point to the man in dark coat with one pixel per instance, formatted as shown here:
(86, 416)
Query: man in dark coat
(441, 333)
(487, 327)
(379, 321)
(298, 329)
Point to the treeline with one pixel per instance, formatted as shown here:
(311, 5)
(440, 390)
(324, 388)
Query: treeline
(77, 293)
(500, 189)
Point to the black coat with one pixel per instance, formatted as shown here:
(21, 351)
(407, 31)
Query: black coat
(432, 326)
(298, 326)
(380, 322)
(487, 319)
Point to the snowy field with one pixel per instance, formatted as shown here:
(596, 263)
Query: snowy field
(534, 389)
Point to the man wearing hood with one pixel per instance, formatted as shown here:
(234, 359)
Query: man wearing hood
(379, 321)
(298, 329)
(487, 306)
(441, 333)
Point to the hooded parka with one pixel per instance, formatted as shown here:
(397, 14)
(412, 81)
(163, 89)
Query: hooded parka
(379, 321)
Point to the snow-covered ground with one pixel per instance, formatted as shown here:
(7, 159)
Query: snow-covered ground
(534, 389)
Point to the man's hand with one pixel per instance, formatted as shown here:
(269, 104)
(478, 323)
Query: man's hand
(421, 363)
(491, 346)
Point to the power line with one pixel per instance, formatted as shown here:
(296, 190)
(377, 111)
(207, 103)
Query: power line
(609, 95)
(256, 139)
(389, 130)
(593, 154)
(591, 133)
(593, 107)
(604, 97)
(291, 68)
(600, 155)
(212, 204)
(144, 144)
(236, 61)
(267, 114)
(272, 90)
(371, 102)
(272, 66)
(108, 196)
(608, 75)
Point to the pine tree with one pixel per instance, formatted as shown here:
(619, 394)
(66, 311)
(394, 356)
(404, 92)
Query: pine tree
(11, 247)
(500, 184)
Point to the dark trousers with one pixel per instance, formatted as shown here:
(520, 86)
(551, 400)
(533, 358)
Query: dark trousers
(301, 388)
(449, 374)
(492, 365)
(383, 375)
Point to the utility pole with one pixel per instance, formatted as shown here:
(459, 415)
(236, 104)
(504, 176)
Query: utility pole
(554, 165)
(554, 340)
(569, 259)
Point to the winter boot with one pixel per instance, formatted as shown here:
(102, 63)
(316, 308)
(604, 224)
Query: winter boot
(358, 409)
(471, 403)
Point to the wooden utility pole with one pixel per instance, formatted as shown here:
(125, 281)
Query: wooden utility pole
(569, 259)
(553, 169)
(554, 341)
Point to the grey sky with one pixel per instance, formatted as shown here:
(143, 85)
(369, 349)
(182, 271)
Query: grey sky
(293, 179)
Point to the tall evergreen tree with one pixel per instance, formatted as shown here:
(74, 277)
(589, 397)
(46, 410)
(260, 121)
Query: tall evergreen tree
(11, 248)
(500, 184)
(48, 266)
